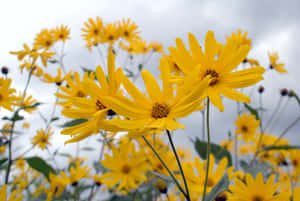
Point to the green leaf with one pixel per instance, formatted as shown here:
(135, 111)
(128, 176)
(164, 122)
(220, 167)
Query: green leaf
(52, 61)
(17, 117)
(3, 142)
(2, 161)
(129, 73)
(166, 178)
(280, 147)
(30, 106)
(73, 123)
(120, 198)
(87, 70)
(65, 155)
(88, 149)
(255, 168)
(140, 66)
(218, 151)
(40, 165)
(54, 119)
(252, 110)
(219, 188)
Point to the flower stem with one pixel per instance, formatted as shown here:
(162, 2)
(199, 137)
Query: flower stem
(208, 150)
(164, 164)
(179, 164)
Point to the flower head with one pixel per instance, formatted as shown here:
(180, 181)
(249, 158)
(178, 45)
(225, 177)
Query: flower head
(246, 126)
(42, 138)
(273, 62)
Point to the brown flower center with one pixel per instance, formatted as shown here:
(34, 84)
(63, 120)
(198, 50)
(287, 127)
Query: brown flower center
(160, 110)
(126, 169)
(295, 163)
(210, 182)
(257, 198)
(214, 76)
(159, 166)
(99, 105)
(48, 43)
(61, 36)
(244, 128)
(110, 37)
(126, 33)
(1, 97)
(96, 32)
(80, 94)
(44, 140)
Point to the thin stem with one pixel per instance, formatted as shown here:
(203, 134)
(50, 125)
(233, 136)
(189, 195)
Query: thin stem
(9, 152)
(279, 115)
(287, 129)
(179, 164)
(164, 164)
(274, 112)
(208, 150)
(261, 112)
(236, 152)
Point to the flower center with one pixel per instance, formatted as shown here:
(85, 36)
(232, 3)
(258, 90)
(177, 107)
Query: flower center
(96, 32)
(1, 97)
(48, 43)
(125, 169)
(160, 110)
(214, 76)
(159, 166)
(295, 163)
(99, 105)
(80, 94)
(210, 182)
(110, 37)
(126, 33)
(61, 36)
(244, 128)
(257, 198)
(44, 140)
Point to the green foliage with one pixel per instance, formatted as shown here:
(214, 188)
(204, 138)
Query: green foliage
(280, 147)
(73, 123)
(40, 165)
(218, 151)
(2, 162)
(252, 110)
(255, 168)
(219, 188)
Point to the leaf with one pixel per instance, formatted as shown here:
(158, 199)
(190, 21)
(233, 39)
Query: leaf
(40, 165)
(88, 149)
(52, 61)
(129, 73)
(218, 151)
(65, 155)
(280, 147)
(30, 106)
(219, 188)
(2, 161)
(54, 119)
(252, 110)
(87, 70)
(253, 169)
(3, 142)
(120, 198)
(140, 66)
(73, 123)
(17, 117)
(8, 131)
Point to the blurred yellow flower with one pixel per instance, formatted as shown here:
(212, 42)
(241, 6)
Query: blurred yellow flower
(44, 39)
(7, 97)
(61, 33)
(13, 196)
(42, 138)
(246, 126)
(273, 62)
(128, 30)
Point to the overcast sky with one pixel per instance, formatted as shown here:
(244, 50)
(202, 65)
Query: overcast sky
(272, 26)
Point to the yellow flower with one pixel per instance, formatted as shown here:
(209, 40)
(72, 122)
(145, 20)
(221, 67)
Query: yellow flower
(219, 65)
(233, 174)
(196, 179)
(40, 189)
(128, 30)
(227, 144)
(110, 33)
(61, 33)
(76, 174)
(42, 138)
(241, 39)
(57, 80)
(92, 31)
(296, 194)
(161, 108)
(97, 179)
(57, 186)
(26, 125)
(2, 149)
(256, 190)
(7, 99)
(13, 196)
(28, 101)
(140, 46)
(246, 126)
(73, 89)
(273, 62)
(252, 62)
(6, 129)
(36, 70)
(294, 156)
(156, 47)
(127, 167)
(20, 164)
(44, 39)
(93, 107)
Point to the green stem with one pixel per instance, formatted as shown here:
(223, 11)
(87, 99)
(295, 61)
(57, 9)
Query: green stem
(164, 164)
(9, 152)
(208, 150)
(179, 164)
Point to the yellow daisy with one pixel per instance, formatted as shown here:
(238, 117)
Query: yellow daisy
(28, 101)
(219, 65)
(44, 39)
(57, 80)
(110, 34)
(7, 97)
(246, 126)
(13, 196)
(92, 31)
(161, 108)
(273, 57)
(61, 33)
(256, 190)
(42, 138)
(128, 30)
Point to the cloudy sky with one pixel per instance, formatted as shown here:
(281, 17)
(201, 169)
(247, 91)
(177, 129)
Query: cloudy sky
(272, 26)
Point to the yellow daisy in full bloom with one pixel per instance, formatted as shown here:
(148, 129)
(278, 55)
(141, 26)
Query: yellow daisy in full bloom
(161, 108)
(219, 64)
(28, 101)
(42, 138)
(273, 62)
(57, 186)
(127, 167)
(128, 30)
(256, 190)
(110, 34)
(13, 196)
(61, 33)
(246, 126)
(93, 107)
(44, 39)
(241, 39)
(92, 31)
(76, 173)
(7, 97)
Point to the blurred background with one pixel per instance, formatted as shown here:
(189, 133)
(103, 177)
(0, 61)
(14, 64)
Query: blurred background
(272, 26)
